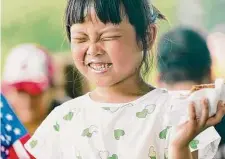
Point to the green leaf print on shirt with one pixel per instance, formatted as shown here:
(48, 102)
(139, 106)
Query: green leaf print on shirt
(56, 127)
(114, 156)
(111, 109)
(33, 143)
(68, 116)
(147, 110)
(166, 153)
(152, 153)
(118, 133)
(194, 144)
(142, 114)
(79, 157)
(106, 108)
(88, 132)
(105, 155)
(163, 133)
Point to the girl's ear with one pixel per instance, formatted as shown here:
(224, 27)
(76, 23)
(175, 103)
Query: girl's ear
(152, 33)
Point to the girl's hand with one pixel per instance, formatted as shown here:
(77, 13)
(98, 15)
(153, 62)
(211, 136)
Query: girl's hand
(186, 132)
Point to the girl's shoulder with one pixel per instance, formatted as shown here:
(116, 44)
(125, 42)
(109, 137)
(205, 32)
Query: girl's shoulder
(159, 97)
(45, 138)
(159, 94)
(71, 104)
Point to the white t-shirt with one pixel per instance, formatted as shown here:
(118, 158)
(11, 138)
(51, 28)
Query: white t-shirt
(84, 129)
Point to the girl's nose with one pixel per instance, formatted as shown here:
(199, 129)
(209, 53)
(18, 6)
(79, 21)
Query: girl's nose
(94, 50)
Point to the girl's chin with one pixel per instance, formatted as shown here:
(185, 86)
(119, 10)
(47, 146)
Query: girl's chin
(103, 84)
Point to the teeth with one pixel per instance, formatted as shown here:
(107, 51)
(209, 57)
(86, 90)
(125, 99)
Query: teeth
(100, 67)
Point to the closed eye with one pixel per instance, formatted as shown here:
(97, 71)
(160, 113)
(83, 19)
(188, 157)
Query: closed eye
(109, 38)
(79, 40)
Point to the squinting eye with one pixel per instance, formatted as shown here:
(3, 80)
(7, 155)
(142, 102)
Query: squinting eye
(110, 38)
(79, 40)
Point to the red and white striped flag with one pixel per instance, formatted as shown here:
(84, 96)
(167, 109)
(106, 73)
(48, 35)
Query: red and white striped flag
(13, 134)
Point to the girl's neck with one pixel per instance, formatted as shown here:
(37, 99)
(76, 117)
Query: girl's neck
(122, 92)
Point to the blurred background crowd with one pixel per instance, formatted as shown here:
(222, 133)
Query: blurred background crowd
(37, 71)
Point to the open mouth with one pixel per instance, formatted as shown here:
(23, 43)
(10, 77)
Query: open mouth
(100, 67)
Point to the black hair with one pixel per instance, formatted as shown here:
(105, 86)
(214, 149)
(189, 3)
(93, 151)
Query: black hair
(139, 12)
(183, 55)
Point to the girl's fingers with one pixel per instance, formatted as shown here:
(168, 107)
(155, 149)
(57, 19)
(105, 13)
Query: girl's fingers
(205, 114)
(192, 113)
(219, 115)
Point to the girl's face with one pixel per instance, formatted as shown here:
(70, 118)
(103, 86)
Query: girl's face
(105, 54)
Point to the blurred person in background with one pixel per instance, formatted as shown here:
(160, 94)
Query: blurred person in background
(216, 44)
(184, 60)
(27, 82)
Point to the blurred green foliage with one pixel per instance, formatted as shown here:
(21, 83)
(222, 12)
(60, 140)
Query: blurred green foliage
(32, 21)
(214, 13)
(41, 22)
(168, 8)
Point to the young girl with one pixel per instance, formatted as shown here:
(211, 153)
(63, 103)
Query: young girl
(124, 117)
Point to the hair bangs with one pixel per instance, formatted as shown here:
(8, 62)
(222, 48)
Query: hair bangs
(108, 11)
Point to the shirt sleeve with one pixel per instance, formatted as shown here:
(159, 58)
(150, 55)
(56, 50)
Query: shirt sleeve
(45, 141)
(206, 143)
